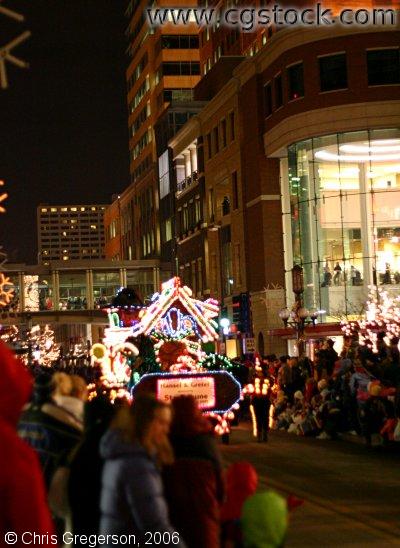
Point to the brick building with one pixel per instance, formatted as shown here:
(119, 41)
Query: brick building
(163, 69)
(273, 142)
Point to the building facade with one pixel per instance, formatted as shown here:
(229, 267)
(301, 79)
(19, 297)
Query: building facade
(308, 175)
(70, 232)
(338, 144)
(163, 69)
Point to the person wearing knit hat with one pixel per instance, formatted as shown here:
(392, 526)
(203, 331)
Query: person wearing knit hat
(48, 428)
(264, 520)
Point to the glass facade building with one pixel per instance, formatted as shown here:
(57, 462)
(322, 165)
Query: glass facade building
(341, 217)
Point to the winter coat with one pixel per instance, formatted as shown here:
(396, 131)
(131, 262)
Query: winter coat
(132, 497)
(241, 483)
(285, 376)
(84, 486)
(72, 405)
(23, 505)
(52, 431)
(194, 490)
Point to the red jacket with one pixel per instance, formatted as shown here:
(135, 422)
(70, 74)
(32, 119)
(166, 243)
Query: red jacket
(23, 504)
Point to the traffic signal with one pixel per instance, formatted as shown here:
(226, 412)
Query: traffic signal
(236, 302)
(241, 314)
(245, 313)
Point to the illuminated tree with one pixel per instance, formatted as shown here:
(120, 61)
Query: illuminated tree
(45, 350)
(382, 315)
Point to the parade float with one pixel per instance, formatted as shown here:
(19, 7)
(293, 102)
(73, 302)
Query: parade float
(178, 328)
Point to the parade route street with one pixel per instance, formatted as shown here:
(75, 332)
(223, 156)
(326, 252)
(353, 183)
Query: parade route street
(351, 493)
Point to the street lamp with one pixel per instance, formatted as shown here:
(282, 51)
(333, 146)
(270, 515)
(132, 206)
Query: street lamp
(298, 316)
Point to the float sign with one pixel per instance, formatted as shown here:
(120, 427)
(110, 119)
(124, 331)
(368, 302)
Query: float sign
(202, 389)
(213, 390)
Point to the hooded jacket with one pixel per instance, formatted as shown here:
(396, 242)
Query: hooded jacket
(241, 483)
(52, 431)
(23, 505)
(132, 499)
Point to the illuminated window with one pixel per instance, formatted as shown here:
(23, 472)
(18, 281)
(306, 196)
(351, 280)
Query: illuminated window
(53, 209)
(73, 209)
(44, 210)
(94, 227)
(65, 258)
(64, 209)
(83, 209)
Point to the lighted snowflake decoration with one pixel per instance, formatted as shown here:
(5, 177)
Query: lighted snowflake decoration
(6, 54)
(6, 290)
(3, 198)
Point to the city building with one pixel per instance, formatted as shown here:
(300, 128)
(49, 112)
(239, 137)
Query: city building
(298, 159)
(163, 69)
(292, 160)
(69, 232)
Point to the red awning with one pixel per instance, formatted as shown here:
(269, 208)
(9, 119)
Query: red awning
(311, 331)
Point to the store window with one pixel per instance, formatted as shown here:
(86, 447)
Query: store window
(343, 199)
(333, 72)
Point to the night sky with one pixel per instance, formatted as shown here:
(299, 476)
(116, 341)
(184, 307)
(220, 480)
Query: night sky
(63, 122)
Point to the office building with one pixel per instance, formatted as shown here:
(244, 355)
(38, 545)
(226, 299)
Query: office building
(67, 232)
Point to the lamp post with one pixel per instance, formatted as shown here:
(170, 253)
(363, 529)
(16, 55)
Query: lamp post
(298, 317)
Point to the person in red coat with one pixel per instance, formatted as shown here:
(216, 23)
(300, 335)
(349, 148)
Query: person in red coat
(241, 483)
(194, 483)
(23, 504)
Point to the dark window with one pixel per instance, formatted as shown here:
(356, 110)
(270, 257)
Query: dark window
(235, 194)
(232, 125)
(268, 99)
(182, 68)
(209, 149)
(383, 67)
(171, 68)
(216, 140)
(223, 130)
(333, 72)
(295, 81)
(180, 41)
(278, 91)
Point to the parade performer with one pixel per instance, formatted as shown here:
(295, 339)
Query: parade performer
(260, 404)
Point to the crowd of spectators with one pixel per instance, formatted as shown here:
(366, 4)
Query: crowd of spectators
(91, 470)
(356, 392)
